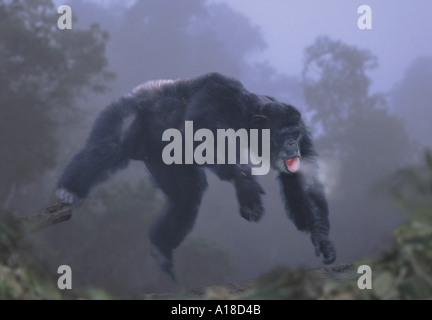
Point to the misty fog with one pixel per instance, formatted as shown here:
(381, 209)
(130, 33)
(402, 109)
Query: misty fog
(372, 131)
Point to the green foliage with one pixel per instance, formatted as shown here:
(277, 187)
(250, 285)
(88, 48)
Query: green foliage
(9, 236)
(25, 283)
(21, 277)
(41, 69)
(412, 189)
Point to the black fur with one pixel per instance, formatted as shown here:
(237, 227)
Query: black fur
(132, 128)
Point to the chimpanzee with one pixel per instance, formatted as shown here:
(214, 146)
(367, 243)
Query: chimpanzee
(133, 126)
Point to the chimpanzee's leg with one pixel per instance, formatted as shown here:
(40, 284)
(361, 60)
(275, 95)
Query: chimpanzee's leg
(105, 152)
(184, 186)
(248, 189)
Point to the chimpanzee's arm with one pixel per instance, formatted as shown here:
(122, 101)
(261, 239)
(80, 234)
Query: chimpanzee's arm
(307, 207)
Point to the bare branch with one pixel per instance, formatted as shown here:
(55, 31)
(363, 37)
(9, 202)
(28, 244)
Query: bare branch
(58, 212)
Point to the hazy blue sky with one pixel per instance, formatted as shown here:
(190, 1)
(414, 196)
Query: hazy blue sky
(401, 30)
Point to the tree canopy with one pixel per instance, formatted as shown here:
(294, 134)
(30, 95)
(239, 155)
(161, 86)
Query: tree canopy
(42, 68)
(355, 123)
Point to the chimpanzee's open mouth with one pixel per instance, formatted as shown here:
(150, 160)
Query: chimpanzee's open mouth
(293, 164)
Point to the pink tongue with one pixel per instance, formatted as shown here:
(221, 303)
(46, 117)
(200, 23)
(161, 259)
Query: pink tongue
(293, 164)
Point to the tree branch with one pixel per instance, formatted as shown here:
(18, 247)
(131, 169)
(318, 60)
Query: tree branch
(54, 214)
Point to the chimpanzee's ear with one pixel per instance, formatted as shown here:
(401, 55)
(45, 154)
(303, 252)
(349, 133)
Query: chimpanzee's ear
(259, 121)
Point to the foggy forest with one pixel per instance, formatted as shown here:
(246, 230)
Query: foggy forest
(369, 116)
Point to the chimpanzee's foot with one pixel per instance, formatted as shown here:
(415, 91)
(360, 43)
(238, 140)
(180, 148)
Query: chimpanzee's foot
(68, 197)
(164, 260)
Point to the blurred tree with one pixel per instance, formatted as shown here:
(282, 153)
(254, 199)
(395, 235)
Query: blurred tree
(412, 189)
(148, 41)
(41, 69)
(360, 141)
(182, 41)
(411, 98)
(354, 123)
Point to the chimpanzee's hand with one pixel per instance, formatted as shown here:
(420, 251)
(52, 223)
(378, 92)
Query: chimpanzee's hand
(323, 246)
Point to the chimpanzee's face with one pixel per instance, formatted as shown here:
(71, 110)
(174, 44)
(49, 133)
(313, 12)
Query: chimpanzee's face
(285, 151)
(285, 134)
